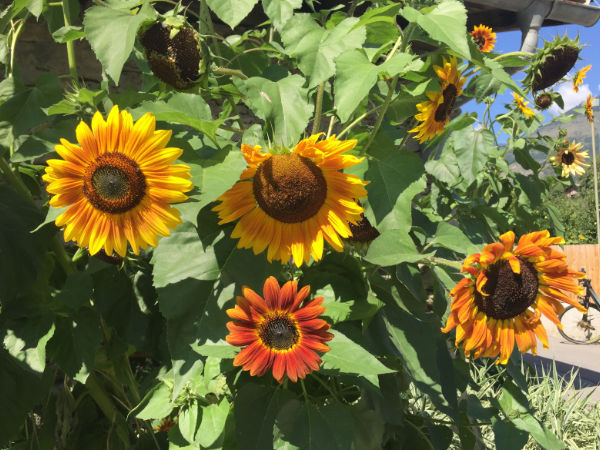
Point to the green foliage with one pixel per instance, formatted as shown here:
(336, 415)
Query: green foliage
(98, 350)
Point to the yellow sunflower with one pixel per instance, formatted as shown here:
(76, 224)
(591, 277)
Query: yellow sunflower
(589, 109)
(484, 37)
(579, 76)
(522, 104)
(506, 292)
(434, 114)
(571, 159)
(290, 202)
(118, 183)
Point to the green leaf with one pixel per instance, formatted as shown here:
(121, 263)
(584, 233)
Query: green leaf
(472, 149)
(346, 356)
(356, 76)
(446, 22)
(26, 339)
(507, 436)
(68, 33)
(395, 180)
(452, 238)
(76, 291)
(232, 12)
(102, 24)
(280, 11)
(156, 404)
(316, 47)
(305, 426)
(255, 408)
(189, 421)
(213, 422)
(444, 169)
(393, 247)
(281, 104)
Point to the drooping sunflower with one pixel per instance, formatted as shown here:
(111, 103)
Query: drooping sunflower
(484, 37)
(277, 331)
(290, 202)
(571, 159)
(579, 76)
(506, 292)
(118, 183)
(522, 105)
(434, 114)
(589, 109)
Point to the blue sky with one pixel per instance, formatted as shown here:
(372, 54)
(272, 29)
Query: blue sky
(511, 41)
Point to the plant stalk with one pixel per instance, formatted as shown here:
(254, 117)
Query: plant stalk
(233, 72)
(70, 44)
(595, 185)
(14, 180)
(318, 108)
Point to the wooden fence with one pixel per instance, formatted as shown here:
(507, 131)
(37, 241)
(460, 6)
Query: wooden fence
(585, 256)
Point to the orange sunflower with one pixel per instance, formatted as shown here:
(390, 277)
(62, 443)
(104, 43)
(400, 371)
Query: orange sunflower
(571, 159)
(484, 37)
(118, 183)
(589, 109)
(278, 333)
(522, 105)
(291, 202)
(434, 114)
(166, 423)
(579, 76)
(506, 292)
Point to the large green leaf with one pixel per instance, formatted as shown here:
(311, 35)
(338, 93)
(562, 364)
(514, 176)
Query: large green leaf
(346, 356)
(26, 338)
(156, 404)
(452, 238)
(316, 47)
(213, 422)
(282, 104)
(356, 75)
(472, 148)
(393, 247)
(445, 22)
(103, 24)
(280, 11)
(232, 12)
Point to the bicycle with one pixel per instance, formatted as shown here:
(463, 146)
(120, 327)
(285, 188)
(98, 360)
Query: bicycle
(582, 328)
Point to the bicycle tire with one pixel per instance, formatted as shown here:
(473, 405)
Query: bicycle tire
(576, 330)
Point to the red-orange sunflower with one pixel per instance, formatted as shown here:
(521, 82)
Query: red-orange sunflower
(290, 202)
(278, 333)
(506, 293)
(484, 37)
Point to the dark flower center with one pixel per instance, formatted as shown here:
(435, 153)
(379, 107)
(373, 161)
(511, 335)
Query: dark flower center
(113, 183)
(279, 333)
(509, 293)
(479, 40)
(568, 158)
(290, 188)
(442, 113)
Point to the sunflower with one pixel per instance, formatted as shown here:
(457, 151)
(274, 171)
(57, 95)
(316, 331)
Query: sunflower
(434, 114)
(166, 423)
(522, 105)
(589, 109)
(290, 202)
(506, 292)
(571, 159)
(278, 333)
(579, 76)
(118, 184)
(484, 37)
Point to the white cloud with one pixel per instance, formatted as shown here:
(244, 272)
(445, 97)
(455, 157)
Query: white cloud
(571, 98)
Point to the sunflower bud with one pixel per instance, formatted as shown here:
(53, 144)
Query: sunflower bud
(543, 101)
(173, 51)
(552, 62)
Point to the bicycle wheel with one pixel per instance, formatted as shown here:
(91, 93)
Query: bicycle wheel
(579, 328)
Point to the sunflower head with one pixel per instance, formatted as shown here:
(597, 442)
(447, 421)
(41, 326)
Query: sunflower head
(173, 50)
(290, 202)
(570, 158)
(118, 184)
(280, 331)
(543, 101)
(579, 77)
(484, 38)
(552, 62)
(522, 106)
(434, 114)
(506, 290)
(589, 108)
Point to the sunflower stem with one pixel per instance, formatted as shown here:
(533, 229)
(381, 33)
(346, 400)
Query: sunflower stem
(326, 386)
(304, 391)
(64, 261)
(507, 55)
(15, 31)
(595, 184)
(330, 128)
(351, 10)
(70, 44)
(446, 262)
(318, 108)
(14, 180)
(232, 72)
